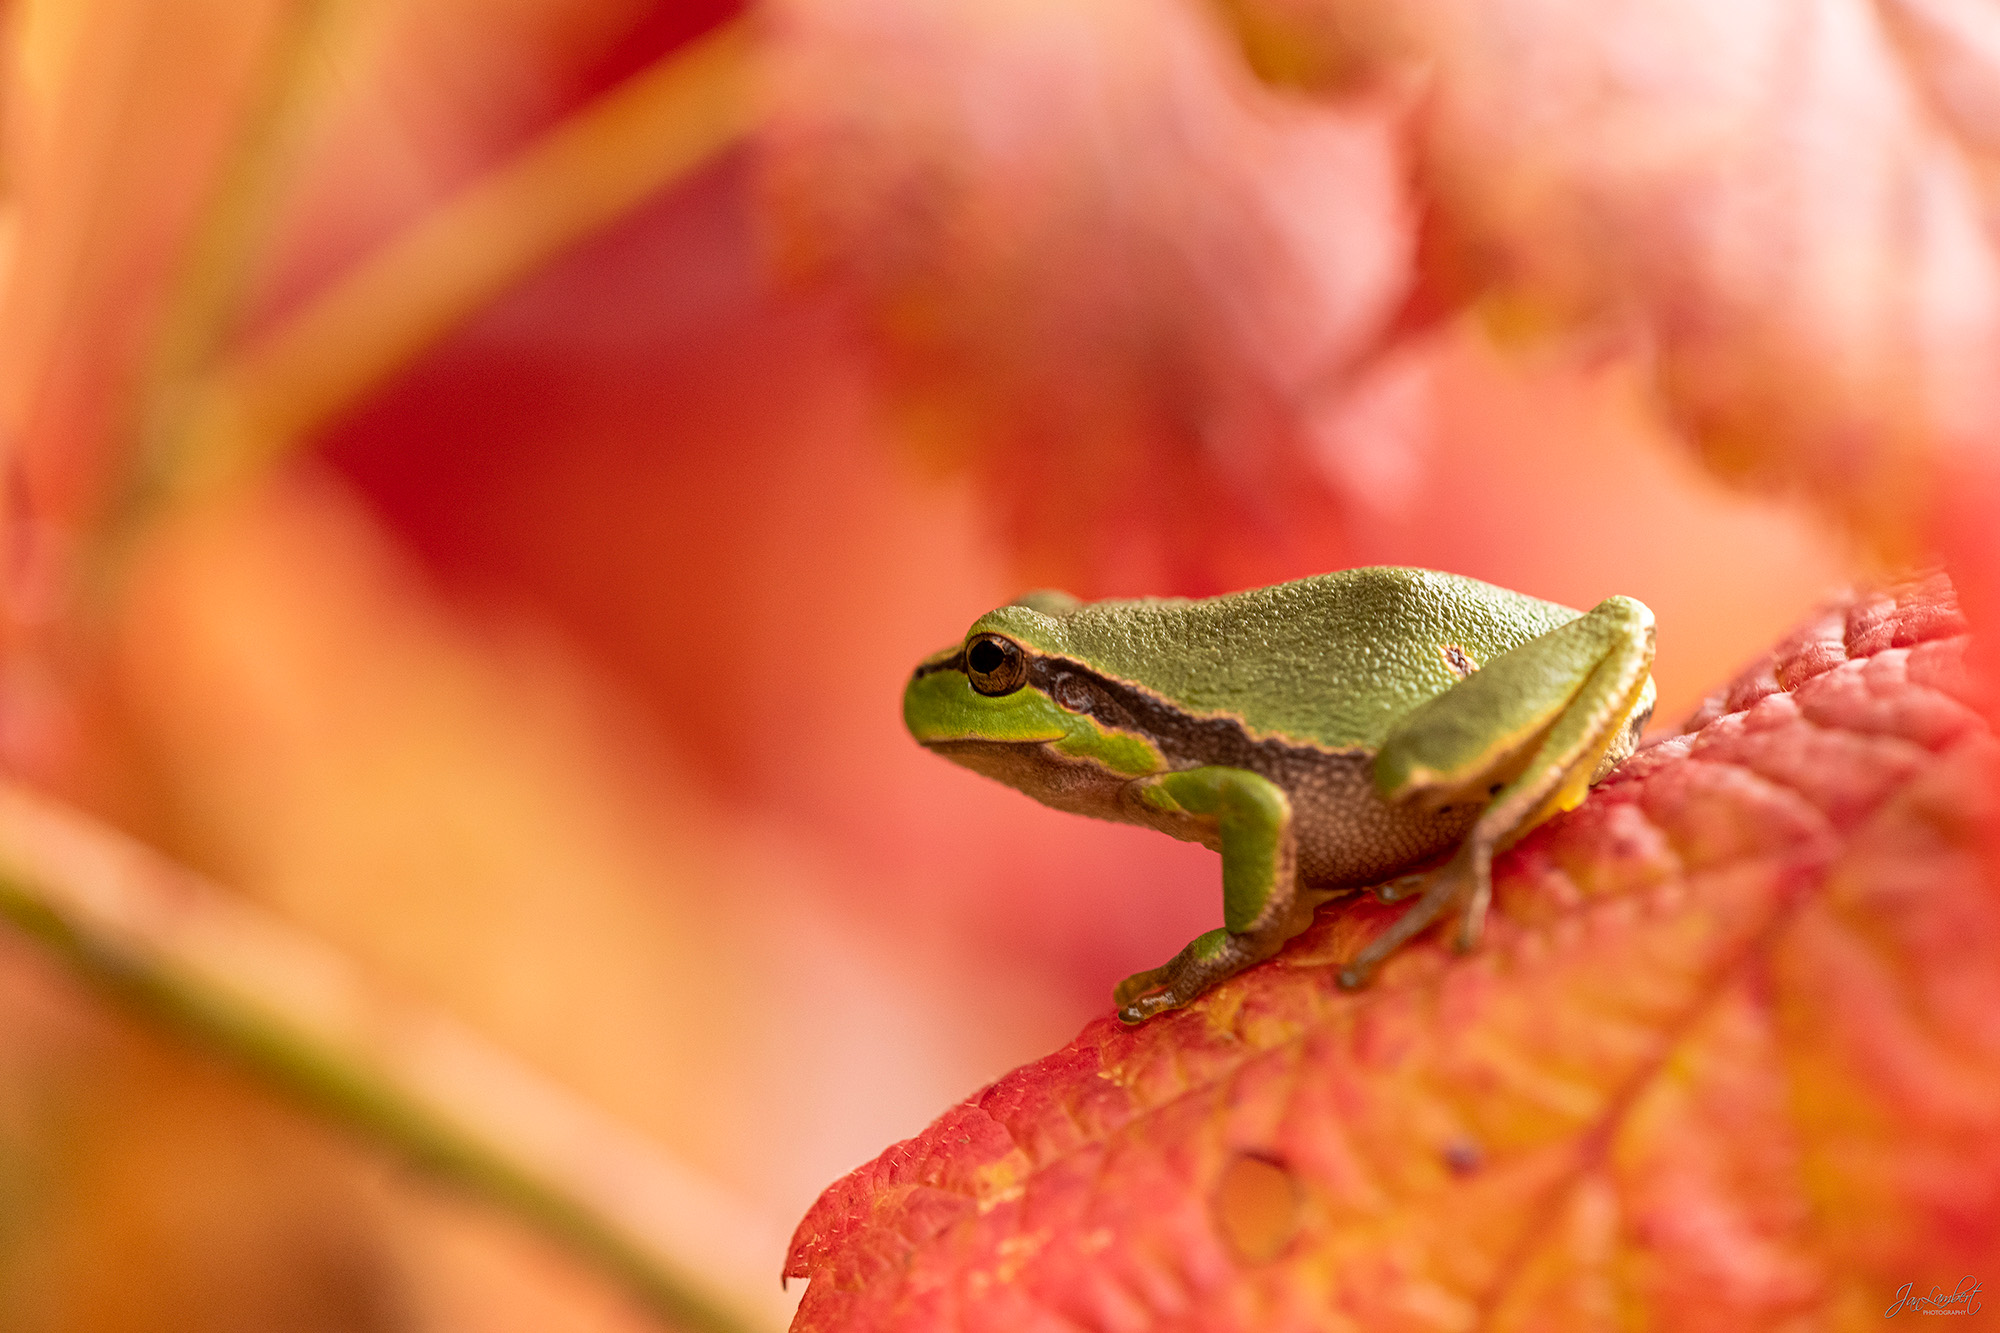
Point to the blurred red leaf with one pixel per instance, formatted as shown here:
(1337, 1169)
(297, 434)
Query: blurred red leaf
(1119, 279)
(1794, 204)
(1730, 1054)
(1149, 301)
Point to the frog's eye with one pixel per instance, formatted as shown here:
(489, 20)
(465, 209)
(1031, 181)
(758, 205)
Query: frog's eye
(995, 665)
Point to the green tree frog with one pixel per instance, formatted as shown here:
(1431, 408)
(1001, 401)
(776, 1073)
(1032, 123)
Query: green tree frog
(1325, 735)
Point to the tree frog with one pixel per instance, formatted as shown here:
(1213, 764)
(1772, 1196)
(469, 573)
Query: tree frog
(1325, 735)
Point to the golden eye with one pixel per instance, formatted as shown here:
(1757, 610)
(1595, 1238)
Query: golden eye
(995, 665)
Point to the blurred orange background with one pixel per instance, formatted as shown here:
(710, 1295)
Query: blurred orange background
(548, 662)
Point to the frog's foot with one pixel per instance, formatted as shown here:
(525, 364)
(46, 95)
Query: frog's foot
(1205, 961)
(1464, 885)
(1401, 887)
(1126, 992)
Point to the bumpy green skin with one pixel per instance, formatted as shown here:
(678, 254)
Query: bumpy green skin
(1323, 735)
(1334, 660)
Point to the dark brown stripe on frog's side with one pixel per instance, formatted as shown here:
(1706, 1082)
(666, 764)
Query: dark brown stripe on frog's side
(1184, 738)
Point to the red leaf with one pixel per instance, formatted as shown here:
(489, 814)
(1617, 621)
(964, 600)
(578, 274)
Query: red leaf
(1795, 204)
(1125, 283)
(1730, 1055)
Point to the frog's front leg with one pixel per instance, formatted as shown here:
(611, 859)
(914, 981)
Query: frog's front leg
(1525, 736)
(1261, 903)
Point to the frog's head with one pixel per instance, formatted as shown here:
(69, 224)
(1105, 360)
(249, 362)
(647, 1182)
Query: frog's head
(1007, 701)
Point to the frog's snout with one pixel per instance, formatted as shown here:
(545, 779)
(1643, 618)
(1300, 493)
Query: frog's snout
(925, 691)
(913, 720)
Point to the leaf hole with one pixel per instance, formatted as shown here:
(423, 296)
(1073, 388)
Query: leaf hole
(1256, 1206)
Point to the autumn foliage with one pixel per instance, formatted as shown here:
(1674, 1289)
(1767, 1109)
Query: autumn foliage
(477, 474)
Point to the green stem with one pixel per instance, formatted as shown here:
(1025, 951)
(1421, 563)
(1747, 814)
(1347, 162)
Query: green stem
(300, 1017)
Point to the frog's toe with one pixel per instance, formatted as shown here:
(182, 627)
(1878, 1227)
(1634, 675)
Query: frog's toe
(1125, 995)
(1472, 918)
(1401, 887)
(1444, 890)
(1139, 1010)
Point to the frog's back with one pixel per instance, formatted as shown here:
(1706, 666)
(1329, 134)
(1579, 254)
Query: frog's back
(1332, 660)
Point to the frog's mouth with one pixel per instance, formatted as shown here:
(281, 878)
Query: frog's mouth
(1006, 761)
(1065, 781)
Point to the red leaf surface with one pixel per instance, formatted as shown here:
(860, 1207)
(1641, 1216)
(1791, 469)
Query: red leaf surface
(1729, 1057)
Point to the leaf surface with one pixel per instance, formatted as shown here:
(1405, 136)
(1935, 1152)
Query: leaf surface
(1729, 1057)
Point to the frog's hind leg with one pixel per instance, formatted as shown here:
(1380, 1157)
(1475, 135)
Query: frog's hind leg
(1526, 735)
(1464, 883)
(1262, 906)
